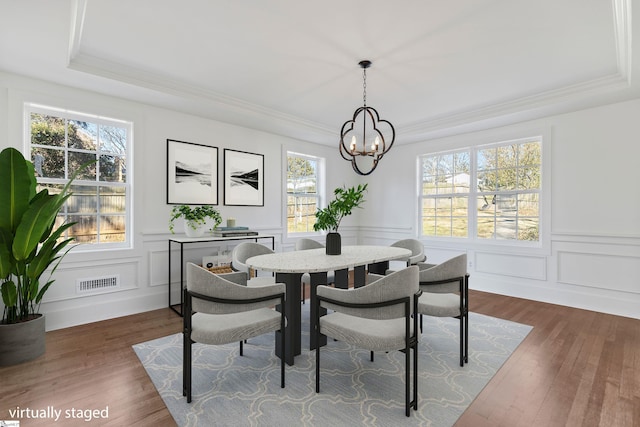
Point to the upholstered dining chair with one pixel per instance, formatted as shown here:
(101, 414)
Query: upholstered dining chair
(221, 309)
(417, 255)
(302, 245)
(415, 246)
(239, 256)
(378, 317)
(445, 293)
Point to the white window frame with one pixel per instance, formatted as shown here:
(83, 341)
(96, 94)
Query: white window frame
(543, 192)
(30, 108)
(320, 189)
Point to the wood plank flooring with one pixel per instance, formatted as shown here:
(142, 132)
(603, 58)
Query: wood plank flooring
(576, 368)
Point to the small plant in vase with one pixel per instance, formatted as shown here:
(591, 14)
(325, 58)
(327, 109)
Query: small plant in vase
(195, 218)
(329, 218)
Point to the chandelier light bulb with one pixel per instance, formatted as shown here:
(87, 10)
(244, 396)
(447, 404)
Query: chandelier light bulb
(375, 144)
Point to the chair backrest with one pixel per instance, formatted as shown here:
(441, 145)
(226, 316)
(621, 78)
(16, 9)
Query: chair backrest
(244, 251)
(415, 246)
(453, 268)
(224, 286)
(399, 284)
(304, 244)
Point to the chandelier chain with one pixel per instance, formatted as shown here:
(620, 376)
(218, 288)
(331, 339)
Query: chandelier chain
(364, 86)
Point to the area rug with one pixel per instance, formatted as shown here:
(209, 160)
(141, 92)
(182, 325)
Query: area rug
(233, 390)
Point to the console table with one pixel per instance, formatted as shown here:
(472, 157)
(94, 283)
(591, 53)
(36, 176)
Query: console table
(182, 241)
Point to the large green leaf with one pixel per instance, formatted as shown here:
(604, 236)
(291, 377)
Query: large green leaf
(18, 187)
(6, 260)
(36, 223)
(9, 293)
(47, 253)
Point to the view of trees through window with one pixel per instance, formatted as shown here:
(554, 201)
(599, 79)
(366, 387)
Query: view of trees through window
(60, 146)
(302, 193)
(445, 187)
(504, 203)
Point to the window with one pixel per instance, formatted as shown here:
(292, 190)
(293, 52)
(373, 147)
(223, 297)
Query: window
(61, 141)
(445, 194)
(504, 204)
(303, 195)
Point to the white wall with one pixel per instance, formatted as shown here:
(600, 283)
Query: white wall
(591, 255)
(143, 270)
(591, 258)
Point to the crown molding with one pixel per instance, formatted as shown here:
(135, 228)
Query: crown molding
(207, 103)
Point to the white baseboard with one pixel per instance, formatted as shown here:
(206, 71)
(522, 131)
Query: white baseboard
(604, 301)
(74, 316)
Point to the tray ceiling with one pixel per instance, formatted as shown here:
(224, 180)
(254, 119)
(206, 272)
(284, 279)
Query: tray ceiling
(291, 67)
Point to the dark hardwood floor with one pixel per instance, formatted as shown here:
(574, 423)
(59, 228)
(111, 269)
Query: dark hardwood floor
(576, 368)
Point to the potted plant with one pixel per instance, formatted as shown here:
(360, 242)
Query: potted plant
(195, 218)
(30, 244)
(329, 218)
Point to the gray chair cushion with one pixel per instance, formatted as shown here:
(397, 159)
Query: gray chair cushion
(261, 281)
(370, 334)
(439, 305)
(226, 328)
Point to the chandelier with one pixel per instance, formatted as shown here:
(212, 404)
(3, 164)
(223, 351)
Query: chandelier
(366, 142)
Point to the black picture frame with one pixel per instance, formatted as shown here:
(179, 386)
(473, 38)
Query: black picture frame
(243, 178)
(192, 173)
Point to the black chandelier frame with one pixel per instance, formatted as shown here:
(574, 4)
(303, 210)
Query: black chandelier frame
(350, 152)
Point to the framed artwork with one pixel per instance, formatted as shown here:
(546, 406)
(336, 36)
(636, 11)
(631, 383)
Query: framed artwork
(192, 173)
(243, 178)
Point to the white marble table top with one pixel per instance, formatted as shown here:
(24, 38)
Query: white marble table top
(316, 260)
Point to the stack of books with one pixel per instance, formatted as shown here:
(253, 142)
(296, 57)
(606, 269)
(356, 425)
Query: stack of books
(233, 232)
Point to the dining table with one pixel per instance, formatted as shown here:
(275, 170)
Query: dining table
(289, 267)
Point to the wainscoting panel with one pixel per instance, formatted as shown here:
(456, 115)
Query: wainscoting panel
(603, 271)
(523, 266)
(66, 276)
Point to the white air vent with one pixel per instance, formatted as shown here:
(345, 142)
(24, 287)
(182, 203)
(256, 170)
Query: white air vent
(97, 284)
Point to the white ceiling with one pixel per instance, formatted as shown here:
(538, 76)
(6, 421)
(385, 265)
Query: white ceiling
(291, 66)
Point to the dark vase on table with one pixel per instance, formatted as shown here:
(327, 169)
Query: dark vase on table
(334, 243)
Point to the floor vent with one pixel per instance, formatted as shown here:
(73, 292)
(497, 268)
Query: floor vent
(97, 284)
